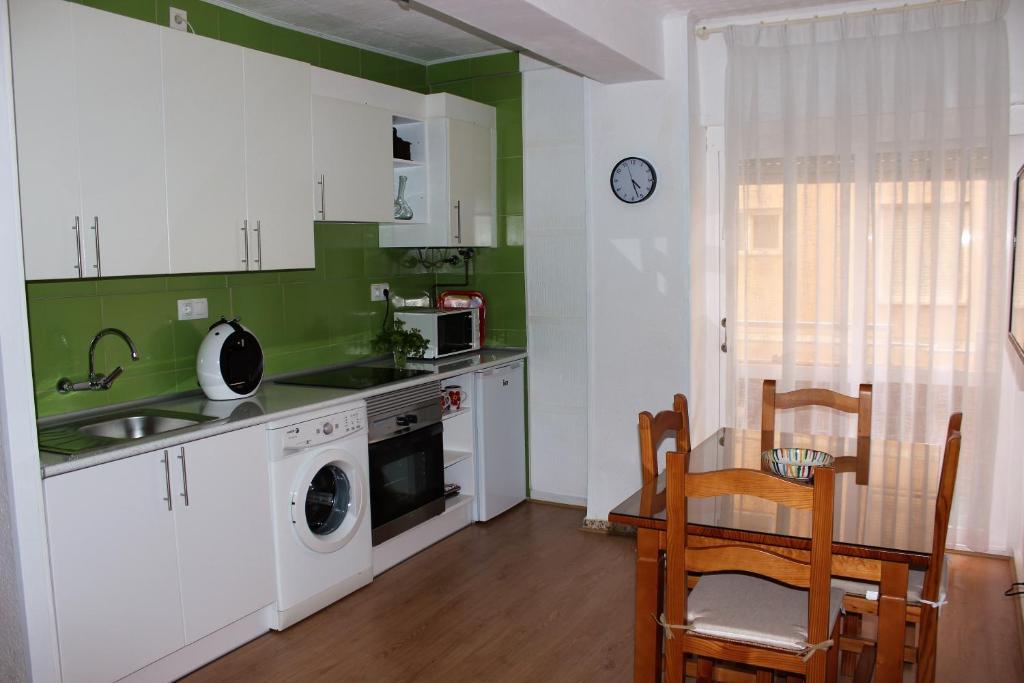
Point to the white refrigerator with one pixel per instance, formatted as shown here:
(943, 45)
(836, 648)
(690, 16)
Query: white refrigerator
(501, 439)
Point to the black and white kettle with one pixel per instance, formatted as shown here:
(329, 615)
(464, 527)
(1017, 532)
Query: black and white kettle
(230, 361)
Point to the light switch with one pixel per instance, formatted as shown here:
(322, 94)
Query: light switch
(193, 309)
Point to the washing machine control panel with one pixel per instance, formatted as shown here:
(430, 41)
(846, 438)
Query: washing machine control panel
(323, 429)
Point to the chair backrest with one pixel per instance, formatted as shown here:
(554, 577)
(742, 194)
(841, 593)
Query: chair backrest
(815, 574)
(943, 505)
(653, 429)
(860, 404)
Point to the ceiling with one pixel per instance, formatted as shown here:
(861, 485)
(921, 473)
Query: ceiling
(381, 25)
(391, 26)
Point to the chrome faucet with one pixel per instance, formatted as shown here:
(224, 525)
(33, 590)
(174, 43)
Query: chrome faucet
(98, 381)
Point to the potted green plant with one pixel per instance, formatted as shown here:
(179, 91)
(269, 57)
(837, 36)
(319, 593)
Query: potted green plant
(400, 342)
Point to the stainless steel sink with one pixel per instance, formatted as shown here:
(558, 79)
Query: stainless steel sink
(106, 430)
(137, 426)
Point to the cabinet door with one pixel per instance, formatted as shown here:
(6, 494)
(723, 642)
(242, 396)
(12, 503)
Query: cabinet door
(352, 154)
(225, 547)
(205, 153)
(115, 571)
(471, 160)
(278, 162)
(121, 144)
(45, 113)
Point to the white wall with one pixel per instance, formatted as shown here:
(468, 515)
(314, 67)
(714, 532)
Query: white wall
(639, 278)
(28, 641)
(555, 222)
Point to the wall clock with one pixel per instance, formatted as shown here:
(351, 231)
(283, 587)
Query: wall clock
(633, 180)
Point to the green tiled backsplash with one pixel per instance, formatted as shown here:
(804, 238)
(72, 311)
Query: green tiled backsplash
(303, 318)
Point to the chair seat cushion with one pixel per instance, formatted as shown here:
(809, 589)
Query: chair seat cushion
(915, 584)
(753, 610)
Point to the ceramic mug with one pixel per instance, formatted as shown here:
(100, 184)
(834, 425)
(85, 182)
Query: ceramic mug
(455, 395)
(446, 403)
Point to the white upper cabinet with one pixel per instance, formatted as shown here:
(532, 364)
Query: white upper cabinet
(471, 172)
(278, 162)
(351, 161)
(89, 118)
(203, 123)
(461, 154)
(121, 144)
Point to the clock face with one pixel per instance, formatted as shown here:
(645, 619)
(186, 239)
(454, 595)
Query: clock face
(633, 180)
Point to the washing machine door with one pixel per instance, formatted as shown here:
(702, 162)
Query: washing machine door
(328, 501)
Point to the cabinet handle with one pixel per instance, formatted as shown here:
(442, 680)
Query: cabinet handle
(323, 197)
(184, 476)
(167, 481)
(458, 221)
(245, 240)
(77, 227)
(96, 240)
(259, 244)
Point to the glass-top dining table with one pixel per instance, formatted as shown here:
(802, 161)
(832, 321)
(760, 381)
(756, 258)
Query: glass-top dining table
(883, 528)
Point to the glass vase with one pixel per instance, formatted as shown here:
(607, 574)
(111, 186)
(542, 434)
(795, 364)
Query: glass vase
(403, 212)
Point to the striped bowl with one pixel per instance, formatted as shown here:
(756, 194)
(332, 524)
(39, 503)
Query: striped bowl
(795, 463)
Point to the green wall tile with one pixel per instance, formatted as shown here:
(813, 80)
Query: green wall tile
(136, 9)
(147, 319)
(510, 185)
(378, 67)
(490, 65)
(295, 45)
(340, 57)
(411, 76)
(449, 71)
(182, 282)
(59, 289)
(509, 115)
(131, 285)
(460, 88)
(245, 31)
(493, 89)
(261, 309)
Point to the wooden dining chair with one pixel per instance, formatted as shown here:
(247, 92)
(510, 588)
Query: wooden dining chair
(926, 590)
(653, 429)
(772, 401)
(743, 618)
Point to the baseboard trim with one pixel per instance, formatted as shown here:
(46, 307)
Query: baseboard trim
(557, 504)
(558, 498)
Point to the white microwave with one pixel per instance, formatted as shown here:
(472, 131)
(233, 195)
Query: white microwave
(447, 331)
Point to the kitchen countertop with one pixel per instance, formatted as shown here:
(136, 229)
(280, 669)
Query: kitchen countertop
(271, 403)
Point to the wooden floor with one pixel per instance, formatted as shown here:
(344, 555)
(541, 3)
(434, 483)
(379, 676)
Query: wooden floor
(530, 597)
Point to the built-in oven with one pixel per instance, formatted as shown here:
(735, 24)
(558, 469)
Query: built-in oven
(406, 459)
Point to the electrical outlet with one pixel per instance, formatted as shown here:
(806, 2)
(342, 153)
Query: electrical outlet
(193, 309)
(178, 19)
(377, 291)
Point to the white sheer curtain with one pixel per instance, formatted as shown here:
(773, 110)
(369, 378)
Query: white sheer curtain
(865, 225)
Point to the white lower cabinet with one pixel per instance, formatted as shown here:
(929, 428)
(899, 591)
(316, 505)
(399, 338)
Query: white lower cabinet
(153, 552)
(225, 544)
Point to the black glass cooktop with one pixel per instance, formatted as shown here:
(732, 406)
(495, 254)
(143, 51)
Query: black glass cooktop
(353, 377)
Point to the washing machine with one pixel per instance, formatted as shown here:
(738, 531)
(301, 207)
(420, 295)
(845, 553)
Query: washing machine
(321, 509)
